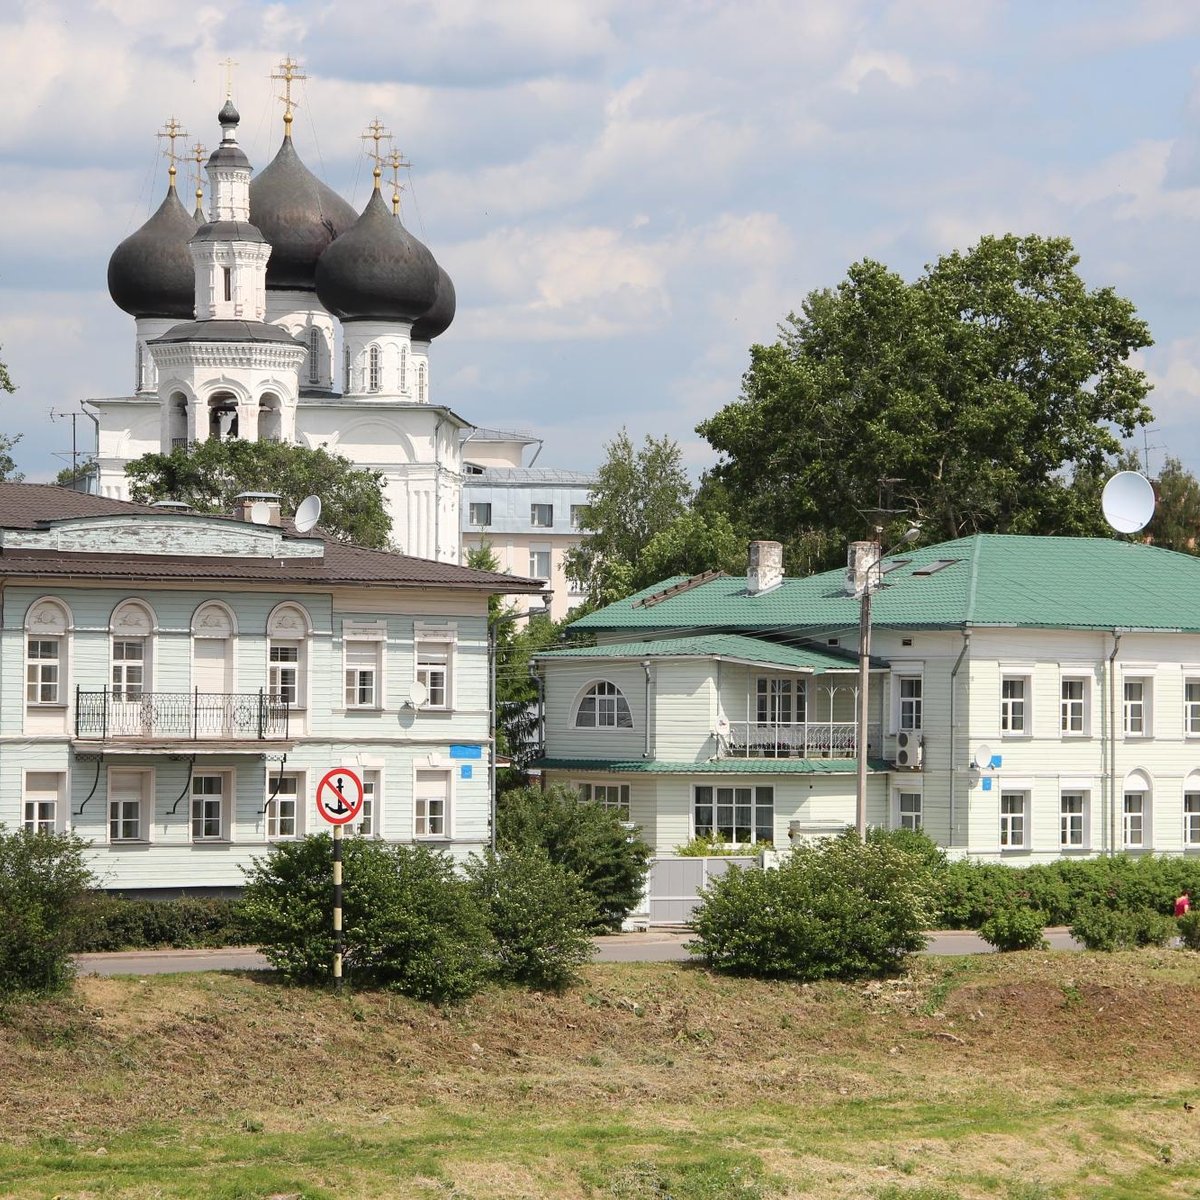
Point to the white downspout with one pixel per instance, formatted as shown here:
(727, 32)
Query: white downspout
(1111, 718)
(966, 634)
(646, 668)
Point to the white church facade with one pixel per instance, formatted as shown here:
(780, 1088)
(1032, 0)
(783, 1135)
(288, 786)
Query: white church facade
(282, 314)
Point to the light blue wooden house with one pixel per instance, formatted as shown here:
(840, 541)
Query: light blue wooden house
(173, 686)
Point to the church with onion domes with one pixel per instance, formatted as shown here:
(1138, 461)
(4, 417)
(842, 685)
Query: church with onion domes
(280, 313)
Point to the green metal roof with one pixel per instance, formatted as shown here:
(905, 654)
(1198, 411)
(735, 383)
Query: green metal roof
(995, 579)
(729, 646)
(718, 766)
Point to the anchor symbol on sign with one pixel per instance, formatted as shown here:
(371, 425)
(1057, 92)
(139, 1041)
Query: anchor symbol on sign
(342, 806)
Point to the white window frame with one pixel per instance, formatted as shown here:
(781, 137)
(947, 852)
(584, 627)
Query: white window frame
(611, 795)
(537, 511)
(477, 509)
(1191, 815)
(224, 807)
(38, 679)
(758, 796)
(909, 713)
(374, 368)
(1066, 706)
(1015, 716)
(1071, 820)
(1014, 822)
(145, 807)
(275, 808)
(1137, 709)
(424, 817)
(910, 809)
(34, 802)
(358, 636)
(435, 651)
(1191, 706)
(368, 823)
(315, 345)
(606, 699)
(536, 554)
(1135, 818)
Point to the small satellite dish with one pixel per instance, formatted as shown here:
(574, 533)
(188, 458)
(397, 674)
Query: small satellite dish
(308, 514)
(1128, 502)
(418, 694)
(260, 513)
(983, 756)
(723, 725)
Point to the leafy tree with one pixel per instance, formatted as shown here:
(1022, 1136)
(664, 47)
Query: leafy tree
(1176, 523)
(8, 466)
(210, 475)
(6, 383)
(43, 881)
(692, 543)
(967, 400)
(69, 476)
(586, 838)
(636, 494)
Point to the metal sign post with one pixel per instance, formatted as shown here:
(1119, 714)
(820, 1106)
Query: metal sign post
(339, 809)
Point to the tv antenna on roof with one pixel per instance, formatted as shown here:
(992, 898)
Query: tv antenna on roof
(1128, 502)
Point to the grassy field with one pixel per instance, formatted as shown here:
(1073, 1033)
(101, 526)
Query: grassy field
(1024, 1077)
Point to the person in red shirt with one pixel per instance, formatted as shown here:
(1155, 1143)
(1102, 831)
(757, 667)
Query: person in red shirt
(1183, 903)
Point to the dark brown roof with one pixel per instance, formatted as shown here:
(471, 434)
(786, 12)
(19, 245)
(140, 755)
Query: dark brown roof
(28, 505)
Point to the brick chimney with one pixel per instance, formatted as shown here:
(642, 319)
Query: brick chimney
(861, 557)
(764, 570)
(258, 508)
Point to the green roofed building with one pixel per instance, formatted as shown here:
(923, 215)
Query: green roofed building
(1029, 697)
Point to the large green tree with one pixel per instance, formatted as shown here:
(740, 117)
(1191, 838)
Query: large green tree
(8, 466)
(965, 400)
(209, 476)
(1176, 521)
(640, 526)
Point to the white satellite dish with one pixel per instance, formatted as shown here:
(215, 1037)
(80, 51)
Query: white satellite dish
(983, 756)
(722, 725)
(260, 513)
(308, 514)
(1128, 501)
(418, 694)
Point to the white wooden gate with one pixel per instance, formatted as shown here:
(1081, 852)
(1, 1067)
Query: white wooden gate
(673, 886)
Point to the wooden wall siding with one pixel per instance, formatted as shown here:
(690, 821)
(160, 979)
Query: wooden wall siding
(566, 683)
(393, 742)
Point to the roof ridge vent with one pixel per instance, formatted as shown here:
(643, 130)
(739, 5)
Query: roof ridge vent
(677, 589)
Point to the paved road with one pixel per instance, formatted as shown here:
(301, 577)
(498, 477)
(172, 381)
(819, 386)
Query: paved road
(655, 946)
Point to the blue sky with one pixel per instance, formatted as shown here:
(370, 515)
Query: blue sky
(627, 195)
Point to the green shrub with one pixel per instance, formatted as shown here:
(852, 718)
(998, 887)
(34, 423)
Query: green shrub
(969, 892)
(538, 915)
(410, 923)
(1015, 929)
(42, 880)
(1102, 928)
(1188, 928)
(912, 841)
(112, 922)
(582, 836)
(838, 909)
(713, 845)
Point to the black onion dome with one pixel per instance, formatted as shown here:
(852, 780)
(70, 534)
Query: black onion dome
(299, 215)
(377, 270)
(151, 273)
(437, 320)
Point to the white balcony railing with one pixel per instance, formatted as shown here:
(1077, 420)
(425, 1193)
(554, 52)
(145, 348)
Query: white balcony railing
(798, 739)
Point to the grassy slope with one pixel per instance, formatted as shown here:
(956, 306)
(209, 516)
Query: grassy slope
(1026, 1077)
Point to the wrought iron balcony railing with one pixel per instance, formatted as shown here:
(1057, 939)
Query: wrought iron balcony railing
(183, 716)
(798, 739)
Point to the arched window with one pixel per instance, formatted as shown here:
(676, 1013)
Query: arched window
(314, 356)
(603, 707)
(227, 274)
(346, 370)
(141, 367)
(287, 654)
(421, 376)
(213, 631)
(403, 367)
(1137, 804)
(131, 628)
(46, 625)
(373, 369)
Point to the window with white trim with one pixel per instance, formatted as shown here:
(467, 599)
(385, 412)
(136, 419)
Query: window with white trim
(539, 562)
(1191, 707)
(212, 794)
(346, 370)
(433, 670)
(479, 514)
(128, 668)
(603, 707)
(362, 673)
(284, 676)
(373, 369)
(1014, 692)
(612, 796)
(779, 700)
(1072, 820)
(42, 677)
(1136, 706)
(1191, 819)
(541, 516)
(431, 805)
(1074, 697)
(403, 368)
(283, 808)
(422, 383)
(367, 823)
(910, 692)
(1135, 815)
(315, 342)
(128, 797)
(1013, 817)
(739, 815)
(41, 800)
(908, 810)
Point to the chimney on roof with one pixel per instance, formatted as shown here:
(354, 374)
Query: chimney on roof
(861, 557)
(764, 569)
(258, 508)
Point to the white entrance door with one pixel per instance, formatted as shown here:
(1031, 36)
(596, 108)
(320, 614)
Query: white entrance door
(212, 678)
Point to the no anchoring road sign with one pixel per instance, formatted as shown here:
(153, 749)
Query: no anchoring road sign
(340, 796)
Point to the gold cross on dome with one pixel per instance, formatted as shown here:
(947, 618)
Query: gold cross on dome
(397, 162)
(198, 153)
(228, 64)
(286, 72)
(172, 130)
(377, 133)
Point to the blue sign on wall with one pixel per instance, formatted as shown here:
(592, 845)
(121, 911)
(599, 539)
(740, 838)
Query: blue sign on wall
(466, 751)
(466, 771)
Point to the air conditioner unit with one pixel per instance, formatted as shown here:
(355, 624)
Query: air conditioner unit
(910, 749)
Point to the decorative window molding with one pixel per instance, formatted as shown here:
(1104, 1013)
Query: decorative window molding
(43, 796)
(373, 368)
(215, 619)
(603, 706)
(213, 795)
(432, 805)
